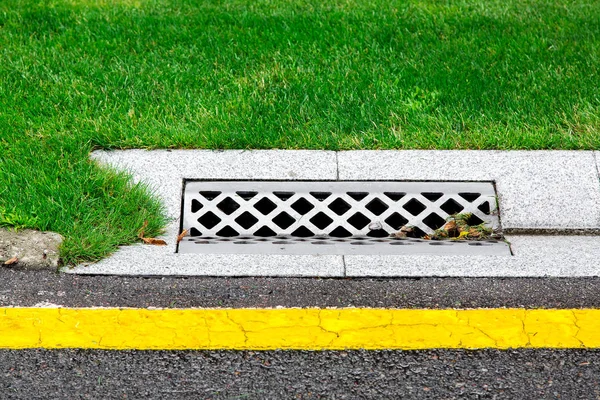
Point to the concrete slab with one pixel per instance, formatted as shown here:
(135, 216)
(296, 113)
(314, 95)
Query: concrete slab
(597, 157)
(537, 190)
(152, 260)
(534, 256)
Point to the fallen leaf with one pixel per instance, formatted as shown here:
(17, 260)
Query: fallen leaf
(406, 229)
(11, 261)
(142, 229)
(154, 241)
(182, 235)
(474, 233)
(450, 226)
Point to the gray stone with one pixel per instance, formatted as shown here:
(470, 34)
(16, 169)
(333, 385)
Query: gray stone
(533, 256)
(33, 249)
(153, 260)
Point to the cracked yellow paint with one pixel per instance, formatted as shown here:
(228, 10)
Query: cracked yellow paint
(296, 328)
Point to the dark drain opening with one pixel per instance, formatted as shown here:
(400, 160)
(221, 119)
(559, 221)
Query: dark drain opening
(415, 207)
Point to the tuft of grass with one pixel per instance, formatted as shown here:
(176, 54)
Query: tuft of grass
(52, 185)
(461, 226)
(342, 74)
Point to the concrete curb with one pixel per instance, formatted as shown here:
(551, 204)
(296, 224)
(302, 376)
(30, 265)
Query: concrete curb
(538, 192)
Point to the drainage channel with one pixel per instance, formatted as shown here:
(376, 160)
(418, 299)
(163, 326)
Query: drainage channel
(335, 217)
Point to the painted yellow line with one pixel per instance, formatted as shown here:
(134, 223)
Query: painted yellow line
(295, 328)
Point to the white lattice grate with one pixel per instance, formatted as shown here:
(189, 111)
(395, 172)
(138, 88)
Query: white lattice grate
(335, 209)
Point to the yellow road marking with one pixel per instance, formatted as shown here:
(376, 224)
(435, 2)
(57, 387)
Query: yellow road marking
(297, 328)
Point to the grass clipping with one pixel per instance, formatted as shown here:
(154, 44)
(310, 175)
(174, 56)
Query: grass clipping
(457, 227)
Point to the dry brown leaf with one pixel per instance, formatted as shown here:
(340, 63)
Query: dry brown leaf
(154, 241)
(450, 226)
(407, 229)
(474, 233)
(182, 235)
(142, 230)
(11, 261)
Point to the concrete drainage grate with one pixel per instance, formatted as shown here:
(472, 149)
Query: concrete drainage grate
(332, 217)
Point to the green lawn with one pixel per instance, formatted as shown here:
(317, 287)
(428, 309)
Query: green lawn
(339, 74)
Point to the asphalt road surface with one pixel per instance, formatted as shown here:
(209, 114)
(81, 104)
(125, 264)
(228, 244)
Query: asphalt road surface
(436, 374)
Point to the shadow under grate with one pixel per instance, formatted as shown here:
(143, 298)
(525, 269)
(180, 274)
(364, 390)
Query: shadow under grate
(326, 245)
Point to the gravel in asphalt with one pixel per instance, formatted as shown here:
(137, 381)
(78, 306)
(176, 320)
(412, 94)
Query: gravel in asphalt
(26, 289)
(490, 374)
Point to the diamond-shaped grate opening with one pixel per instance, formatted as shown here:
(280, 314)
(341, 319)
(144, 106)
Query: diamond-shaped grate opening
(246, 195)
(321, 220)
(396, 221)
(358, 196)
(323, 212)
(358, 221)
(339, 206)
(265, 206)
(303, 232)
(394, 195)
(265, 231)
(320, 195)
(434, 221)
(378, 233)
(302, 206)
(470, 197)
(431, 196)
(484, 208)
(415, 207)
(340, 232)
(228, 206)
(475, 220)
(283, 195)
(246, 220)
(209, 220)
(451, 207)
(209, 195)
(228, 232)
(196, 206)
(284, 220)
(376, 206)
